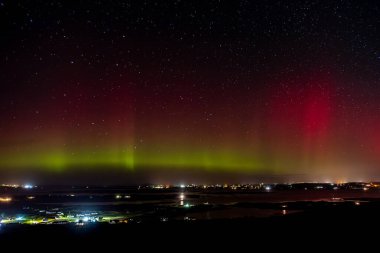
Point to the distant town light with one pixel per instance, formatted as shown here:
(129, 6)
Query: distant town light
(11, 185)
(7, 199)
(182, 186)
(27, 186)
(268, 188)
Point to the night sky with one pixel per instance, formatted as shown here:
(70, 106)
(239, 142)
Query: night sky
(189, 91)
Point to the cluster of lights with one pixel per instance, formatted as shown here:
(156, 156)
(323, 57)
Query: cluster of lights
(161, 186)
(118, 196)
(270, 186)
(206, 186)
(11, 185)
(6, 199)
(25, 186)
(79, 219)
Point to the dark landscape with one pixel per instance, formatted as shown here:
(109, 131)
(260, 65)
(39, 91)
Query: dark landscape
(114, 212)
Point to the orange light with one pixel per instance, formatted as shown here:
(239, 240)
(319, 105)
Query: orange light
(5, 199)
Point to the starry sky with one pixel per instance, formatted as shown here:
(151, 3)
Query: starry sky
(169, 91)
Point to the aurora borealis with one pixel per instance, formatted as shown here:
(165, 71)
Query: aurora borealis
(266, 88)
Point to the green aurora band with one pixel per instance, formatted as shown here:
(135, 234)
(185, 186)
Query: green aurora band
(130, 160)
